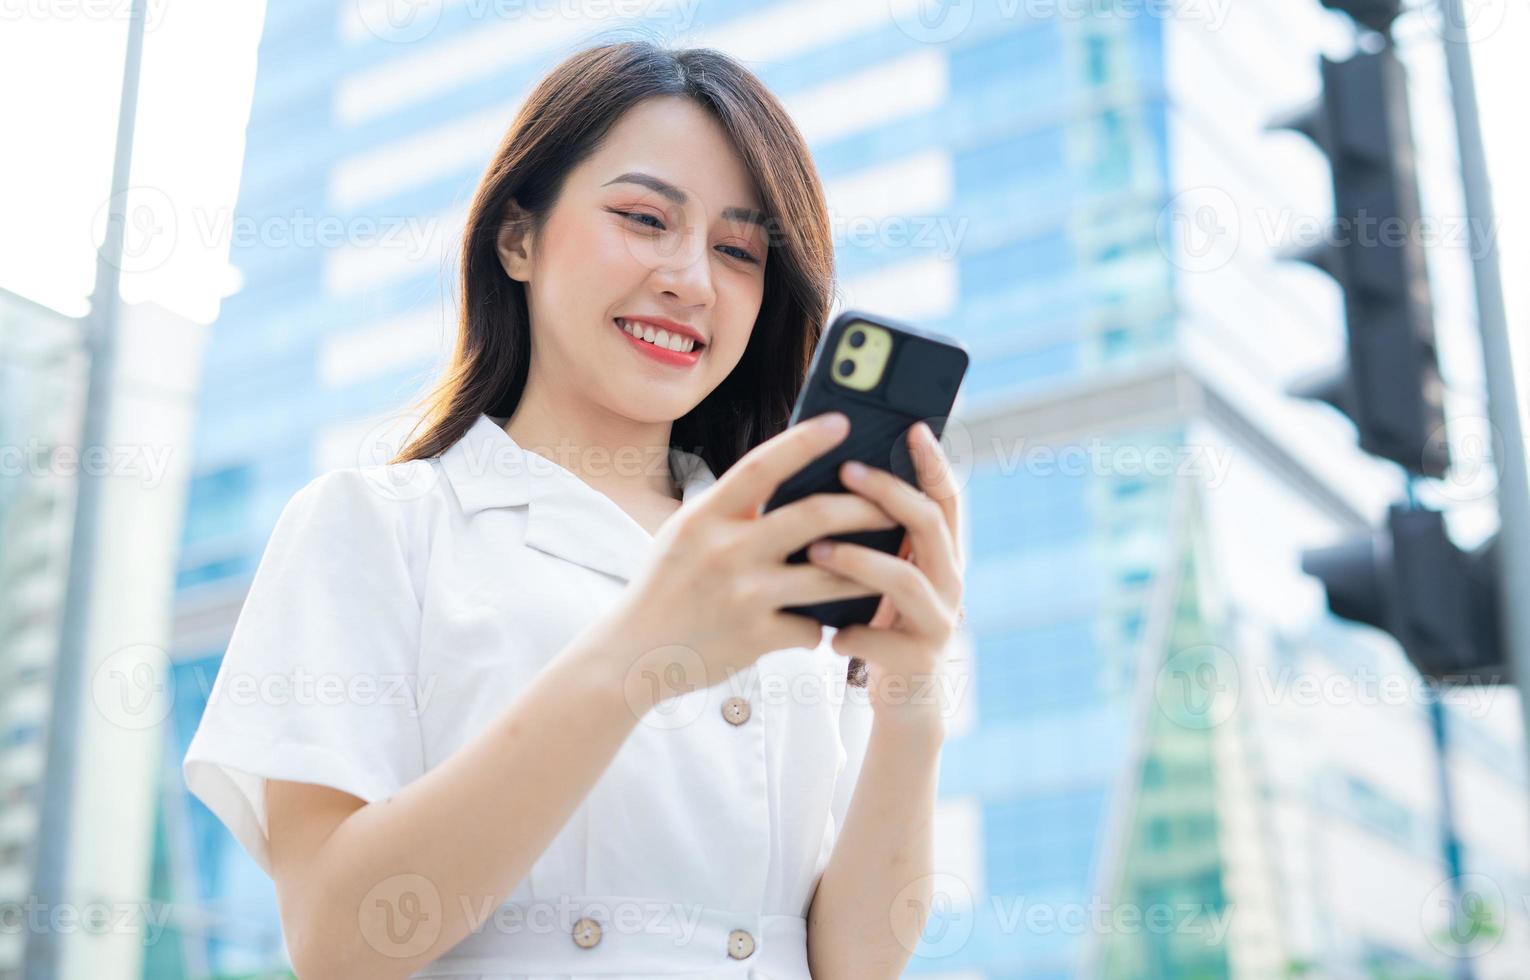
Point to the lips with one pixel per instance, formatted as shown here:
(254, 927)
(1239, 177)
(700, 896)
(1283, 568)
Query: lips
(663, 355)
(673, 327)
(662, 333)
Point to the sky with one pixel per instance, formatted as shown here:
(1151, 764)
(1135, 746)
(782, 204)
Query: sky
(64, 58)
(61, 66)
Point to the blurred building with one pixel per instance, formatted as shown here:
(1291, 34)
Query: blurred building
(1141, 780)
(42, 380)
(117, 711)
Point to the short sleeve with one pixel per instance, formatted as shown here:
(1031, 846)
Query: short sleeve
(318, 681)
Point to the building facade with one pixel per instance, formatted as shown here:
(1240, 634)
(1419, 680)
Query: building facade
(41, 399)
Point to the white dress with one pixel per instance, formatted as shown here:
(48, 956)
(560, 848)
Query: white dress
(399, 608)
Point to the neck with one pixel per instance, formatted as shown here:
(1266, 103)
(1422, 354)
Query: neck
(617, 455)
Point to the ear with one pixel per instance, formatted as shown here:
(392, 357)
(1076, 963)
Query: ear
(513, 242)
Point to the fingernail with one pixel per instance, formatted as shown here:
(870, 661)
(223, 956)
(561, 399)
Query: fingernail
(819, 550)
(854, 471)
(832, 421)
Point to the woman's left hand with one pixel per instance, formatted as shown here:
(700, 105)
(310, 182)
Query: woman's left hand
(905, 643)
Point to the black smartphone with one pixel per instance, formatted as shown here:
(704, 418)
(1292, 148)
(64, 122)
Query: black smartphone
(885, 376)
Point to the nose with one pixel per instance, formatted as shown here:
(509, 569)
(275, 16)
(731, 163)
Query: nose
(687, 273)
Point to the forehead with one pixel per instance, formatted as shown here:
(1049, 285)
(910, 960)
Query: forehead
(676, 140)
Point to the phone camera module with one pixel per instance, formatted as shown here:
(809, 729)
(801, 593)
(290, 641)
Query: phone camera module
(857, 338)
(846, 368)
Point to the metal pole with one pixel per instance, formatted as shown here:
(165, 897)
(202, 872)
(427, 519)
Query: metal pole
(1513, 546)
(1448, 839)
(42, 953)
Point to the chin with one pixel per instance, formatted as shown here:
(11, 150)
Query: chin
(656, 413)
(639, 404)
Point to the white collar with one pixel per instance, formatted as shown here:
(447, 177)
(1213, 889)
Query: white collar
(566, 516)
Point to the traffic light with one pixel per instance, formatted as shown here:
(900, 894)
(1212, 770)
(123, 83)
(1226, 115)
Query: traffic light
(1389, 384)
(1408, 579)
(1376, 15)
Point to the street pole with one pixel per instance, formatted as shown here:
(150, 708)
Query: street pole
(42, 954)
(1513, 548)
(1448, 839)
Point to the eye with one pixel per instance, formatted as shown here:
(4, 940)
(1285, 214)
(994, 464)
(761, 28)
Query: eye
(640, 214)
(742, 255)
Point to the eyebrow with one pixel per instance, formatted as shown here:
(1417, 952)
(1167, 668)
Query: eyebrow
(679, 196)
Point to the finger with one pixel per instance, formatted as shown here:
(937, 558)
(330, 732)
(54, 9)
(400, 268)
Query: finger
(904, 582)
(876, 647)
(818, 515)
(749, 483)
(783, 630)
(923, 517)
(886, 616)
(806, 583)
(938, 480)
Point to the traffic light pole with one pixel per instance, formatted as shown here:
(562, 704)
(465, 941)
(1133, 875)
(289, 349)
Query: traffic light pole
(1513, 546)
(1449, 841)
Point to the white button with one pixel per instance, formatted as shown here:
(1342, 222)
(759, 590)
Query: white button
(736, 710)
(586, 932)
(740, 944)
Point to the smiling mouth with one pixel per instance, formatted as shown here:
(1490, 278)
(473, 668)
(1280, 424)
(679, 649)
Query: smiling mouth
(662, 339)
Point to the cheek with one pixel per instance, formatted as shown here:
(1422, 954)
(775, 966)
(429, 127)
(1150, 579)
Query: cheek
(738, 306)
(592, 259)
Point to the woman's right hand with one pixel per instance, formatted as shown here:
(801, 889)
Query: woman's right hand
(707, 603)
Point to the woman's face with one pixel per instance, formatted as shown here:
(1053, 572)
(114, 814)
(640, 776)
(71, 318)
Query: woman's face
(662, 223)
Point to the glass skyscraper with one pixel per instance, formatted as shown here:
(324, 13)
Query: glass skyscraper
(1167, 761)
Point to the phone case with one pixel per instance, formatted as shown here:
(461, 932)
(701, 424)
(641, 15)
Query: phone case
(920, 381)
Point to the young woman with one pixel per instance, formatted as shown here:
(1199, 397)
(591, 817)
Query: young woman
(521, 703)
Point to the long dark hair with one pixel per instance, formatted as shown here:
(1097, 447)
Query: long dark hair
(561, 123)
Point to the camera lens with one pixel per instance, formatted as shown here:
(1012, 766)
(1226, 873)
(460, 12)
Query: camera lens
(846, 368)
(857, 338)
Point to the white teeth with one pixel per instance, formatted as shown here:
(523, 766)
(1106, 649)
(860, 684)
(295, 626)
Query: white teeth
(659, 338)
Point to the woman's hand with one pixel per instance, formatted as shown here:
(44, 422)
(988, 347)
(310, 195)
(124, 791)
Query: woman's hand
(708, 602)
(905, 643)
